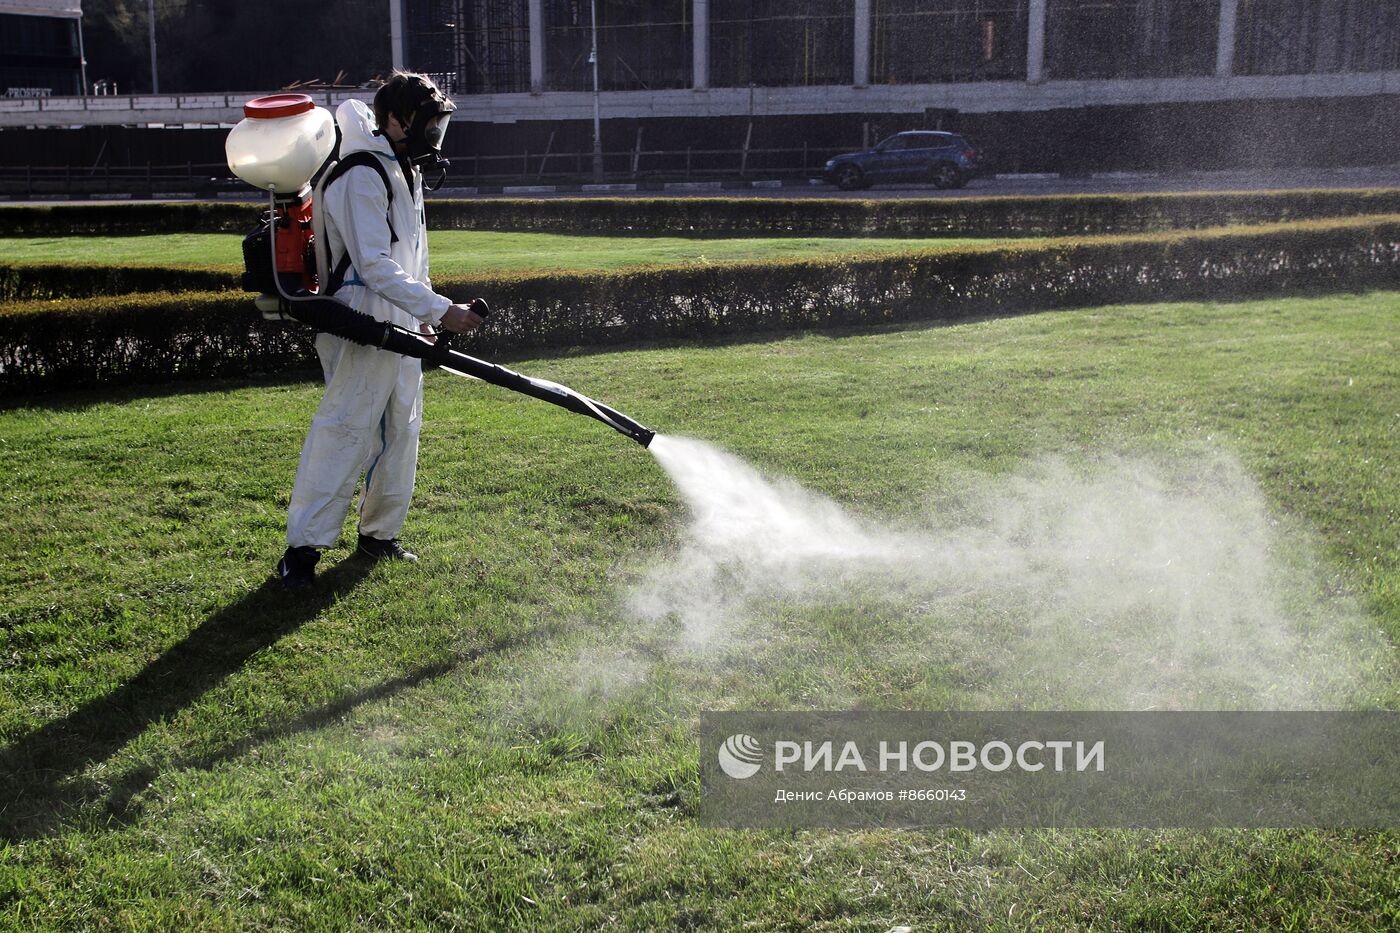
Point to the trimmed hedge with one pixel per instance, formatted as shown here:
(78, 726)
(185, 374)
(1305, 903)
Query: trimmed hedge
(538, 312)
(1045, 215)
(1034, 216)
(25, 281)
(149, 338)
(47, 345)
(133, 219)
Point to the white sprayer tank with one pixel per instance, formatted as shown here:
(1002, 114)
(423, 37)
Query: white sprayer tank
(280, 143)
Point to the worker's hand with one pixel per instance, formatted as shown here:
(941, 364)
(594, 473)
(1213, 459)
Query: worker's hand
(461, 319)
(427, 333)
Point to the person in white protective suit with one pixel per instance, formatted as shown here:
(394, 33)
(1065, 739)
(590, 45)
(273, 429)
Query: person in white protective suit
(376, 238)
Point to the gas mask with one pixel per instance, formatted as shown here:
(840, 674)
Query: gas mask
(426, 133)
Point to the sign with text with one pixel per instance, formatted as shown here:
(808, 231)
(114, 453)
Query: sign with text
(1019, 769)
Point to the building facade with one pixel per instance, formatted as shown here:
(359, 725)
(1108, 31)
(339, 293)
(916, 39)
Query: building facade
(714, 89)
(41, 50)
(1052, 85)
(541, 46)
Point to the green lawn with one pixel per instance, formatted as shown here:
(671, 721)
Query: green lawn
(490, 738)
(464, 251)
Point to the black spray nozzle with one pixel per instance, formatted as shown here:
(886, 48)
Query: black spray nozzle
(642, 435)
(333, 317)
(620, 422)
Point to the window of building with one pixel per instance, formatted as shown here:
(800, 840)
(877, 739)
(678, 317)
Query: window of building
(44, 36)
(38, 56)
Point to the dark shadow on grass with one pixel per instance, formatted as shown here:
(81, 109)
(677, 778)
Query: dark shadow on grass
(120, 802)
(39, 773)
(122, 806)
(39, 787)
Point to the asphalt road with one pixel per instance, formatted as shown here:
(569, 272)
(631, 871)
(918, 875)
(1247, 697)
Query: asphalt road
(1243, 180)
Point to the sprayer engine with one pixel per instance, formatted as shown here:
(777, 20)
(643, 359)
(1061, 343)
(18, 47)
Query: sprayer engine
(293, 267)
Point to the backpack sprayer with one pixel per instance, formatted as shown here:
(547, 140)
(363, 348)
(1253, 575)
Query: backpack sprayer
(279, 146)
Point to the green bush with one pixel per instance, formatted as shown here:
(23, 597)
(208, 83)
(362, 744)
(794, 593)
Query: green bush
(1057, 215)
(707, 301)
(23, 281)
(1054, 215)
(46, 345)
(147, 338)
(128, 219)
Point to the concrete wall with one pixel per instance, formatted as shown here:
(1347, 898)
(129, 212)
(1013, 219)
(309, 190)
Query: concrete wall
(977, 97)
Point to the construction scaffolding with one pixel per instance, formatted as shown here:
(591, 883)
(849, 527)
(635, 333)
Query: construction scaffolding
(770, 43)
(1089, 39)
(1317, 36)
(642, 46)
(470, 46)
(483, 46)
(922, 42)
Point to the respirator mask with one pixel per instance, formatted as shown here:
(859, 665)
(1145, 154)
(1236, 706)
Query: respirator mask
(426, 133)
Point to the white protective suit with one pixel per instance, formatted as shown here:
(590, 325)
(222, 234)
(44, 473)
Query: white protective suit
(369, 418)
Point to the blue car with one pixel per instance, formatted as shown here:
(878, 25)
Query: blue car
(947, 160)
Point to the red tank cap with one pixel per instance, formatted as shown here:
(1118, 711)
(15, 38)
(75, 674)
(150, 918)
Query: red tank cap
(277, 105)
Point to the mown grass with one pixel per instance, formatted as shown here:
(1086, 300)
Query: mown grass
(484, 740)
(464, 251)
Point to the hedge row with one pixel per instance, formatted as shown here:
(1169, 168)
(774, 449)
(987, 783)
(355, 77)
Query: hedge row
(24, 281)
(153, 338)
(46, 346)
(132, 219)
(1054, 215)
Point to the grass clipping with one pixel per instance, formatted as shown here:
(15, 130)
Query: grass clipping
(1110, 582)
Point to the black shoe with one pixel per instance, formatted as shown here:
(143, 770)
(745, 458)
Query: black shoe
(379, 549)
(297, 568)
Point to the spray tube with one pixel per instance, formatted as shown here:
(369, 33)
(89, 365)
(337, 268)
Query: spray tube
(287, 173)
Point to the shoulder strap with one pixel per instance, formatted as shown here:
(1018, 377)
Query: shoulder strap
(362, 158)
(336, 276)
